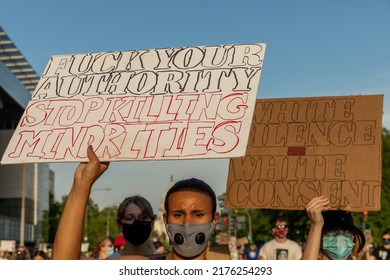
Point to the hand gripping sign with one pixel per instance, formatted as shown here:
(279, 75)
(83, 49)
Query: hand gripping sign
(171, 103)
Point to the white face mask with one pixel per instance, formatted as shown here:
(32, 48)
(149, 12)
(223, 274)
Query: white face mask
(189, 240)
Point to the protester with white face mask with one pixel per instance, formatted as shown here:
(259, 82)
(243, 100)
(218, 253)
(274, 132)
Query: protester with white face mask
(280, 248)
(190, 218)
(332, 235)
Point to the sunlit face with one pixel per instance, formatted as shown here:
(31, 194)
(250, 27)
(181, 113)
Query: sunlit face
(107, 245)
(190, 207)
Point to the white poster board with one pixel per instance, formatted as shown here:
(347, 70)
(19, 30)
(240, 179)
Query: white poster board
(7, 245)
(171, 103)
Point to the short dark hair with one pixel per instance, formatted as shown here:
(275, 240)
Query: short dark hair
(41, 253)
(192, 184)
(138, 200)
(281, 219)
(387, 231)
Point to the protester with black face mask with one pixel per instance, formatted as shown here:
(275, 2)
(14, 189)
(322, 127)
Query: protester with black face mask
(383, 252)
(68, 238)
(135, 220)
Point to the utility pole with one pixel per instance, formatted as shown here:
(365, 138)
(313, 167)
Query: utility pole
(23, 207)
(108, 222)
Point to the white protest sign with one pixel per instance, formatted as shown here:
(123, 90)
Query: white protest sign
(171, 103)
(7, 245)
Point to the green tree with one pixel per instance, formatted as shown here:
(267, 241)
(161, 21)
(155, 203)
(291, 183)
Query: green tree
(51, 219)
(97, 223)
(379, 221)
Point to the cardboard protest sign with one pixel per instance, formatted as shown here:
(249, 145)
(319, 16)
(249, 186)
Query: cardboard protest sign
(300, 148)
(171, 103)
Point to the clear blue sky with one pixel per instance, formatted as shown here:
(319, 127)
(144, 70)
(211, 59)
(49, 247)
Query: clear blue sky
(314, 48)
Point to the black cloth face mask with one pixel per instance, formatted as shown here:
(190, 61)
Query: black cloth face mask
(137, 232)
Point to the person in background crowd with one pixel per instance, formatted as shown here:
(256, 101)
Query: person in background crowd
(278, 247)
(40, 255)
(102, 249)
(332, 235)
(383, 252)
(135, 219)
(21, 253)
(3, 255)
(159, 246)
(251, 252)
(119, 243)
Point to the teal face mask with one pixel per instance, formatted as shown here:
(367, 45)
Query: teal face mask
(338, 246)
(110, 251)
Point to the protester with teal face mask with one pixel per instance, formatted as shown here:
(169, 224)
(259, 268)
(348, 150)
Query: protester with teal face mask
(102, 249)
(332, 235)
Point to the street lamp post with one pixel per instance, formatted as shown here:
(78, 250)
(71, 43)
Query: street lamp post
(108, 221)
(250, 237)
(86, 213)
(250, 225)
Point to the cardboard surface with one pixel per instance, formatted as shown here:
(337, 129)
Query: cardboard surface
(173, 103)
(305, 147)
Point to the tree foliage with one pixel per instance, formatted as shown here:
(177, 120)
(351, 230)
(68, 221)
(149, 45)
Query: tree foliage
(379, 221)
(96, 225)
(51, 219)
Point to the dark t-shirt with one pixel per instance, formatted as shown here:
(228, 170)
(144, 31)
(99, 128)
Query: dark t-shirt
(381, 253)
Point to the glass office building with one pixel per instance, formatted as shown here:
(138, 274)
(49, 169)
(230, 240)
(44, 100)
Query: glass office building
(24, 188)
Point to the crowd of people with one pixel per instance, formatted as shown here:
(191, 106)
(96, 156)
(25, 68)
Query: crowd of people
(190, 218)
(24, 253)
